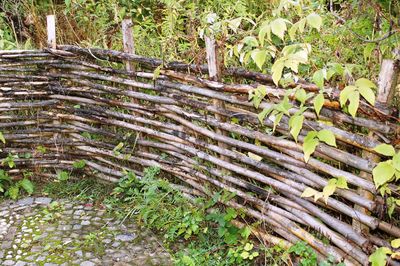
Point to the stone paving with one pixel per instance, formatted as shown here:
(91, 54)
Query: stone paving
(40, 231)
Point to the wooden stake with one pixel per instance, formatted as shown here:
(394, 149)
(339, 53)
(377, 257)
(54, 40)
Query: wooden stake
(51, 32)
(387, 82)
(388, 78)
(214, 74)
(129, 45)
(52, 43)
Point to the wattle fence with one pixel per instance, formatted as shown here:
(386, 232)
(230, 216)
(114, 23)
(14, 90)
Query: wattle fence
(58, 106)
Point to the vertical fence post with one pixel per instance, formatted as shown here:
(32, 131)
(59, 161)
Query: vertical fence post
(213, 72)
(129, 47)
(51, 31)
(388, 78)
(51, 43)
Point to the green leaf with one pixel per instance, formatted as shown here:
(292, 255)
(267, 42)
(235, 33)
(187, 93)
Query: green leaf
(234, 24)
(265, 29)
(277, 69)
(368, 94)
(63, 176)
(261, 116)
(385, 149)
(328, 191)
(315, 21)
(308, 192)
(13, 192)
(156, 72)
(365, 83)
(396, 161)
(344, 94)
(79, 164)
(383, 173)
(301, 95)
(319, 103)
(342, 183)
(277, 119)
(278, 27)
(378, 258)
(27, 185)
(245, 232)
(2, 139)
(354, 98)
(309, 147)
(395, 243)
(296, 124)
(248, 246)
(369, 47)
(318, 78)
(250, 41)
(245, 254)
(259, 57)
(327, 136)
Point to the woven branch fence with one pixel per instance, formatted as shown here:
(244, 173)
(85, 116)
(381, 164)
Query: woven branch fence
(82, 103)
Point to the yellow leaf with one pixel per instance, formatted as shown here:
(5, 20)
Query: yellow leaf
(308, 192)
(254, 156)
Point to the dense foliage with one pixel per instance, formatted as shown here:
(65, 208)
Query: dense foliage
(340, 42)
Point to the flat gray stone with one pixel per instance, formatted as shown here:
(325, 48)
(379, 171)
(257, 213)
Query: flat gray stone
(87, 263)
(25, 201)
(8, 262)
(125, 237)
(43, 200)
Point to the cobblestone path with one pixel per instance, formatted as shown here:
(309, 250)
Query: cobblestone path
(40, 231)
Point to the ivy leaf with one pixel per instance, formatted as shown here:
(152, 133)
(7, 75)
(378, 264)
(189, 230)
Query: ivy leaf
(327, 136)
(308, 192)
(2, 139)
(259, 57)
(319, 103)
(277, 69)
(342, 183)
(27, 185)
(385, 149)
(278, 27)
(318, 78)
(383, 173)
(354, 98)
(309, 146)
(315, 21)
(296, 124)
(378, 258)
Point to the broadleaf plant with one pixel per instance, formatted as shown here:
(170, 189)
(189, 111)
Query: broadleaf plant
(351, 94)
